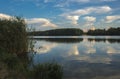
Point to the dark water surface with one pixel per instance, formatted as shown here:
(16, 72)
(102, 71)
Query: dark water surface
(82, 57)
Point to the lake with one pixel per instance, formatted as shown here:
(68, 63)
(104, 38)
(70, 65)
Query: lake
(82, 57)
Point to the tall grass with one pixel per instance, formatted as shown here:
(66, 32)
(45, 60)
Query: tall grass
(47, 71)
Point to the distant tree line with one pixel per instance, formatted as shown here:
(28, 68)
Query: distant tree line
(58, 32)
(110, 31)
(76, 32)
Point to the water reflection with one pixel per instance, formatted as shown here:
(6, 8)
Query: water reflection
(45, 48)
(82, 58)
(61, 40)
(104, 40)
(73, 51)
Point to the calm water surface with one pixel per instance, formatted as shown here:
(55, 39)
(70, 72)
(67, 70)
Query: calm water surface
(82, 57)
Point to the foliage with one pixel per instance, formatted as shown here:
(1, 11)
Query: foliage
(14, 66)
(75, 32)
(14, 53)
(59, 32)
(47, 71)
(13, 36)
(110, 31)
(113, 31)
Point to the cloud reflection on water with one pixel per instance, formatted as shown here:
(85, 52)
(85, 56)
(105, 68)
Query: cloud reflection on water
(94, 51)
(112, 50)
(96, 58)
(73, 51)
(43, 48)
(89, 46)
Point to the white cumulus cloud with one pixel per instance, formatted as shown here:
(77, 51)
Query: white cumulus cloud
(41, 22)
(74, 15)
(110, 19)
(90, 18)
(100, 9)
(4, 16)
(36, 23)
(74, 19)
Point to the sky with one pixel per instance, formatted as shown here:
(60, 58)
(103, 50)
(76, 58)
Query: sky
(53, 14)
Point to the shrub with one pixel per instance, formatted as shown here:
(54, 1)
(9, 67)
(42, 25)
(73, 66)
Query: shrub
(13, 36)
(47, 71)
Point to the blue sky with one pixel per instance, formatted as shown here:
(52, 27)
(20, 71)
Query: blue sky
(52, 14)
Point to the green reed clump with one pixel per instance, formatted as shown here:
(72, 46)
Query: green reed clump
(13, 35)
(47, 71)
